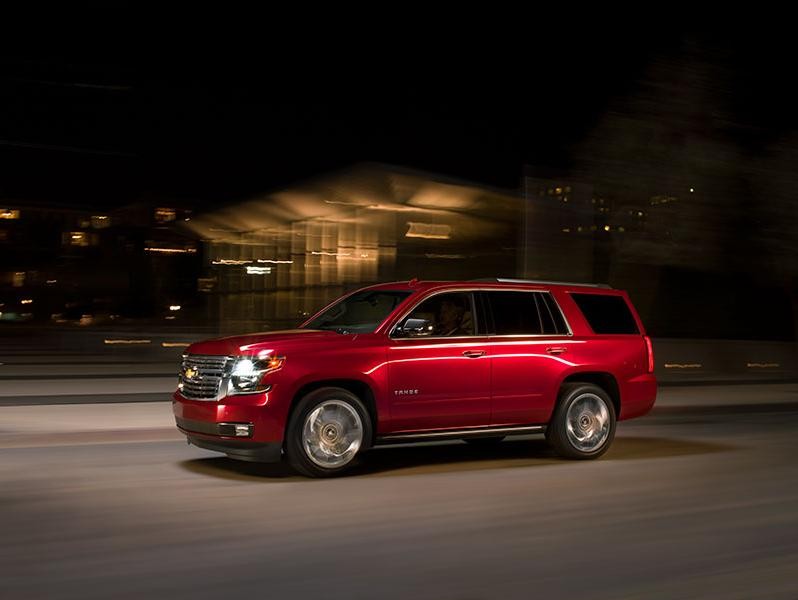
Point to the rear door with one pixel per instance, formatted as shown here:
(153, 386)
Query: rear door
(529, 346)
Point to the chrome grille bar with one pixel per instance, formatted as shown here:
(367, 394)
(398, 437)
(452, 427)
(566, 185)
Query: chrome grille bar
(204, 377)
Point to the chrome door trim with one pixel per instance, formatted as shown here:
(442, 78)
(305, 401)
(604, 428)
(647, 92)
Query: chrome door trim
(444, 434)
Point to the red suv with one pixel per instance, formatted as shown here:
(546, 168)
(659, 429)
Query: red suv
(417, 361)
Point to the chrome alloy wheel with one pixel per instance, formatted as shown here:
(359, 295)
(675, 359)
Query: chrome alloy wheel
(332, 434)
(587, 422)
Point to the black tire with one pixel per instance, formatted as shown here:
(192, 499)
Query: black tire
(295, 451)
(557, 432)
(485, 442)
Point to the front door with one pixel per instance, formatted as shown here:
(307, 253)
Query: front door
(439, 378)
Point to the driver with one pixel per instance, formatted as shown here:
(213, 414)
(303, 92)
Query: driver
(450, 318)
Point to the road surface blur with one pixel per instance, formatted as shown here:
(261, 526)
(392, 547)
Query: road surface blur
(698, 500)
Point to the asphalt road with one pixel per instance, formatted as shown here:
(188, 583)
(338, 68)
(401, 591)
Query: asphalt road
(697, 500)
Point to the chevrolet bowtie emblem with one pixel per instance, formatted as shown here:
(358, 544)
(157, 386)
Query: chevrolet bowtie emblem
(190, 373)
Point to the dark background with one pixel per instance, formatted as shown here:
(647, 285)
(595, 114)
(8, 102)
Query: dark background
(101, 123)
(207, 120)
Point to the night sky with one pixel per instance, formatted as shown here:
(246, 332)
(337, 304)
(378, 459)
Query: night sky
(101, 128)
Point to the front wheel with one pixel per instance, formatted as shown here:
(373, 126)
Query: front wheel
(583, 425)
(326, 431)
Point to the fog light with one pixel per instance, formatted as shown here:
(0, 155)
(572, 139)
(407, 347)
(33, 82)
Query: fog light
(242, 430)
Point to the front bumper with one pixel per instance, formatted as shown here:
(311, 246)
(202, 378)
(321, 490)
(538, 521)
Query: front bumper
(225, 438)
(224, 430)
(239, 450)
(244, 427)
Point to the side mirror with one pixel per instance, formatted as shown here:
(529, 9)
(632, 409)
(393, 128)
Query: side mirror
(415, 328)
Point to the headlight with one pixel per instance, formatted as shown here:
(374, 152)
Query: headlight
(247, 374)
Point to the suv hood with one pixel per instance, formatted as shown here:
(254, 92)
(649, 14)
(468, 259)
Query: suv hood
(255, 342)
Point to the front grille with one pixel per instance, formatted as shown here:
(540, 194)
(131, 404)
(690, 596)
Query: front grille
(201, 376)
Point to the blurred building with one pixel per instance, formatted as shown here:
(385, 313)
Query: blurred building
(78, 264)
(686, 259)
(270, 261)
(274, 259)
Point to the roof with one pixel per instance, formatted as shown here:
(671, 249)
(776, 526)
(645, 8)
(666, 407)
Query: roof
(494, 283)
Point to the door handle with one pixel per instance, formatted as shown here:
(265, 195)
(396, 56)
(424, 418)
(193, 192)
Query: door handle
(474, 353)
(556, 349)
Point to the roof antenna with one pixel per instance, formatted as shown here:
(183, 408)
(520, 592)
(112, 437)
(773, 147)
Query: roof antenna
(413, 281)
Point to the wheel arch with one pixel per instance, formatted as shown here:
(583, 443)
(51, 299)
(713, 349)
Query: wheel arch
(604, 380)
(359, 388)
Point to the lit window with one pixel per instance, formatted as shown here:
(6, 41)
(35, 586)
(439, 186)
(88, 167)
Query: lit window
(9, 213)
(76, 238)
(164, 215)
(100, 221)
(18, 279)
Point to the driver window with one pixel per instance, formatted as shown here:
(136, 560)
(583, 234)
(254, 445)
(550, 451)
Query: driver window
(450, 314)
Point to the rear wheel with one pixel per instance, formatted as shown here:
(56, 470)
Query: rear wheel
(326, 432)
(583, 425)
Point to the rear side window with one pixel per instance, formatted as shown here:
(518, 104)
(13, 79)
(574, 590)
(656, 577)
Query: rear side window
(550, 315)
(514, 313)
(606, 314)
(525, 313)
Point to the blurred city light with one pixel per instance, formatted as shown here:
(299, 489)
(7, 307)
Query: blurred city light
(430, 231)
(258, 270)
(172, 250)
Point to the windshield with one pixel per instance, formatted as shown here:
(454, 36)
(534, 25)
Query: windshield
(362, 312)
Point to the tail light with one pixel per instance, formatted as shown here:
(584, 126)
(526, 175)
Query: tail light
(650, 353)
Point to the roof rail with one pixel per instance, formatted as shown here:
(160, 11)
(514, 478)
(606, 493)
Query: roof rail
(543, 282)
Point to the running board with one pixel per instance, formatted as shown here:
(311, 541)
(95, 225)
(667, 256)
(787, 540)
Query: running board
(455, 434)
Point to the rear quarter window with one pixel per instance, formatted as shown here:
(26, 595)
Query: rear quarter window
(606, 313)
